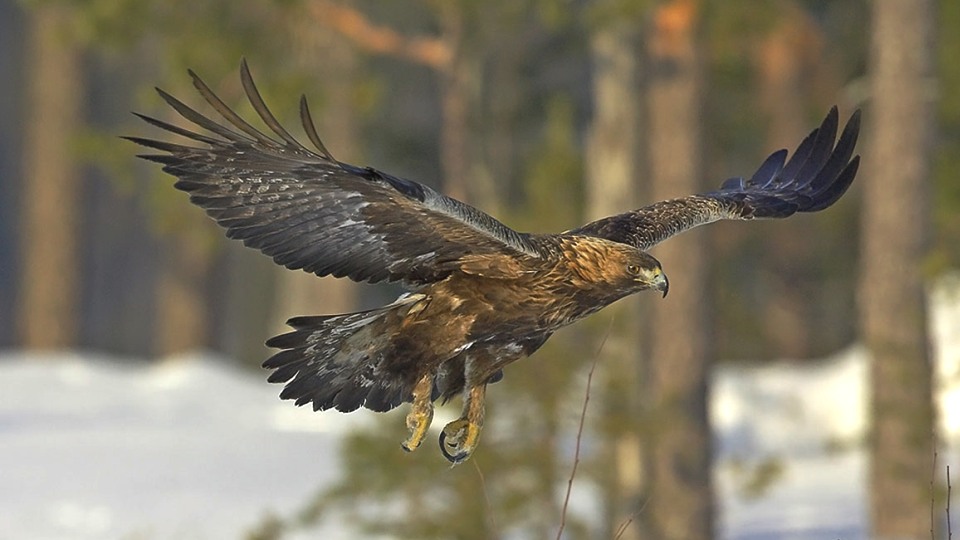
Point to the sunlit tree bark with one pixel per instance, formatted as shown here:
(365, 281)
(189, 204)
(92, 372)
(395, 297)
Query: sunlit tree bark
(680, 491)
(896, 226)
(49, 295)
(182, 317)
(611, 169)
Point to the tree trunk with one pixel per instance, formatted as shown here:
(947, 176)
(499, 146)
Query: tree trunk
(611, 169)
(612, 144)
(681, 501)
(183, 321)
(459, 85)
(895, 234)
(49, 294)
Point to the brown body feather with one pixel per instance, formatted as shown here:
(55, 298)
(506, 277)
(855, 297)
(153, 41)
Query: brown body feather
(499, 310)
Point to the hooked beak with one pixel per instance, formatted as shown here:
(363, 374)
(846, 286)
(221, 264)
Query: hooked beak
(661, 284)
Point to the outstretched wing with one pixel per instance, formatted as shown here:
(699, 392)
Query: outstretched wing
(307, 210)
(814, 178)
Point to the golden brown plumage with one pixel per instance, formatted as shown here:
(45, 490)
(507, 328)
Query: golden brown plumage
(482, 295)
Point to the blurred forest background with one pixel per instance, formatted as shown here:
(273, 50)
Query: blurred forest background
(544, 113)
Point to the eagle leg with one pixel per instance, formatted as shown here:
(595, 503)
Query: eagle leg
(421, 413)
(459, 438)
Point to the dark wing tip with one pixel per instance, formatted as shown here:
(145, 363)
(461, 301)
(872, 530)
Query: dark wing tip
(853, 125)
(833, 113)
(167, 97)
(260, 106)
(735, 183)
(820, 151)
(855, 116)
(311, 129)
(149, 143)
(821, 169)
(836, 190)
(818, 173)
(835, 175)
(767, 172)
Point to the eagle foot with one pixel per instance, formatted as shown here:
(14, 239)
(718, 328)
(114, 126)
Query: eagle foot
(459, 439)
(421, 412)
(418, 422)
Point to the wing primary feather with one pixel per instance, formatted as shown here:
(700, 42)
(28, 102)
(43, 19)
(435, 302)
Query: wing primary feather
(178, 130)
(311, 129)
(201, 120)
(228, 113)
(841, 154)
(836, 190)
(253, 95)
(159, 145)
(767, 172)
(735, 183)
(819, 152)
(164, 159)
(800, 155)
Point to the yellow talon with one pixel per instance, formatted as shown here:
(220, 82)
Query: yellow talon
(418, 422)
(421, 413)
(459, 439)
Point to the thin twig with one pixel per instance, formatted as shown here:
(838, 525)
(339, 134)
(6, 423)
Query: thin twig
(933, 496)
(623, 527)
(627, 522)
(949, 528)
(583, 418)
(486, 499)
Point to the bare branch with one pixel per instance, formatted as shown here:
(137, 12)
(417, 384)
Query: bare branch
(933, 493)
(491, 520)
(949, 489)
(583, 418)
(379, 39)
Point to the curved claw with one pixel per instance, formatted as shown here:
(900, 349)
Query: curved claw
(418, 422)
(459, 439)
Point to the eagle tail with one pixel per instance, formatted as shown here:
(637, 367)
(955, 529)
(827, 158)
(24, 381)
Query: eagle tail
(334, 361)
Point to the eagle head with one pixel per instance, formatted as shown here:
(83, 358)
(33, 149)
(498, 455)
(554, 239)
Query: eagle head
(643, 272)
(618, 269)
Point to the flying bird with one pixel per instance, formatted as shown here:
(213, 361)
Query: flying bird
(480, 294)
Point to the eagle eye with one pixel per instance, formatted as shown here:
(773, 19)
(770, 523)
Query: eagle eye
(633, 269)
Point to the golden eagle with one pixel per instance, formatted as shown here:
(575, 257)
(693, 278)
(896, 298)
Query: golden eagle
(482, 295)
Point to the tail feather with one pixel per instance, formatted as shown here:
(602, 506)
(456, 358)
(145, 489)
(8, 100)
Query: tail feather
(335, 361)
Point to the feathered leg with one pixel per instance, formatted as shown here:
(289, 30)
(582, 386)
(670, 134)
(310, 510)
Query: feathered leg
(421, 413)
(459, 438)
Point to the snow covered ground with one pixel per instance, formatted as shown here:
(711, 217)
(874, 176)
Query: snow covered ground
(93, 448)
(790, 437)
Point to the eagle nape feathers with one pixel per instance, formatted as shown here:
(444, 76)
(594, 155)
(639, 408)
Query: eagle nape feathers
(481, 295)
